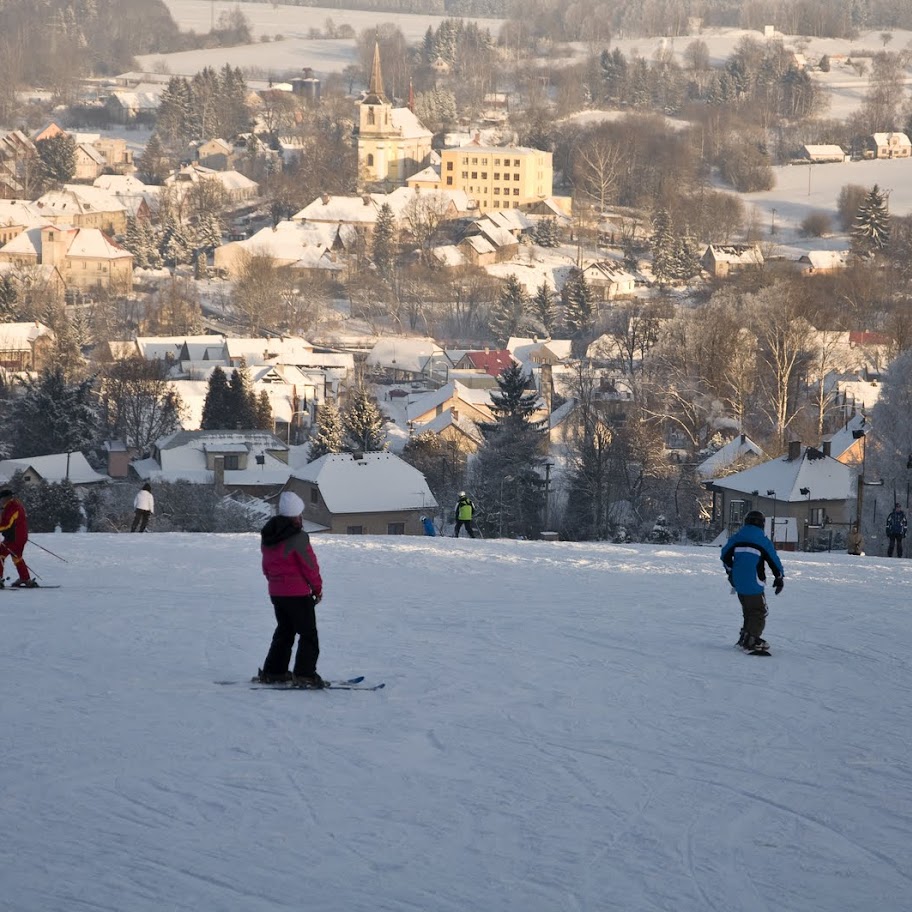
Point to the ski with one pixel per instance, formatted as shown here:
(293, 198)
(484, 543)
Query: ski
(330, 685)
(287, 684)
(758, 652)
(25, 588)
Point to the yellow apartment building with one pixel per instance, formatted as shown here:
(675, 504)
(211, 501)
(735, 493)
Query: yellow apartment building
(497, 177)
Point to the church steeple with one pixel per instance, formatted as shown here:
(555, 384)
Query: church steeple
(375, 94)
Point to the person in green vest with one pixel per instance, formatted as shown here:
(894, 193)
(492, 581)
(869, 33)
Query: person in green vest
(465, 510)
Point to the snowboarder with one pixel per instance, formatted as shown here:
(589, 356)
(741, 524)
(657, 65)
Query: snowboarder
(14, 529)
(428, 525)
(144, 505)
(855, 541)
(295, 588)
(465, 510)
(896, 531)
(745, 556)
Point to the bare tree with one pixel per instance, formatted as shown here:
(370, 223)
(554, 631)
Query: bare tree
(422, 217)
(597, 169)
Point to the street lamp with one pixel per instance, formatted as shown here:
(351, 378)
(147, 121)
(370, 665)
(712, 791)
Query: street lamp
(772, 494)
(806, 492)
(502, 480)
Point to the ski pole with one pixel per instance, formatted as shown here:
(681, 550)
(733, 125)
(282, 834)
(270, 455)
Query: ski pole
(33, 542)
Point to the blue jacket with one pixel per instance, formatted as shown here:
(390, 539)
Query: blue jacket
(745, 555)
(429, 528)
(896, 523)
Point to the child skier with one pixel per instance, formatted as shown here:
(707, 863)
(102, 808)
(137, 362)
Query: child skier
(745, 556)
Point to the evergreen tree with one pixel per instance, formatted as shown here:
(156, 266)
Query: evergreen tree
(330, 436)
(686, 258)
(579, 306)
(52, 416)
(58, 158)
(871, 230)
(663, 247)
(9, 298)
(217, 413)
(543, 309)
(264, 420)
(53, 504)
(590, 486)
(384, 250)
(513, 404)
(509, 312)
(363, 422)
(546, 233)
(174, 120)
(154, 164)
(241, 400)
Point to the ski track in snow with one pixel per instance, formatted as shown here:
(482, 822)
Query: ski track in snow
(564, 727)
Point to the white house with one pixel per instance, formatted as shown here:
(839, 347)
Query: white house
(54, 468)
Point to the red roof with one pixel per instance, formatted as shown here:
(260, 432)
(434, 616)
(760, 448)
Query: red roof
(868, 338)
(491, 362)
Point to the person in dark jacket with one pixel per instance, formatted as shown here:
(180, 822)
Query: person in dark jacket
(896, 530)
(14, 529)
(464, 513)
(295, 588)
(745, 556)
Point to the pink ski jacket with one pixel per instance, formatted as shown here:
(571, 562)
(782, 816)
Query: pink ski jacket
(289, 563)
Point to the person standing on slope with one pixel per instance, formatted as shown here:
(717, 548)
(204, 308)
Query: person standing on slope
(896, 530)
(745, 556)
(295, 588)
(465, 511)
(144, 506)
(14, 529)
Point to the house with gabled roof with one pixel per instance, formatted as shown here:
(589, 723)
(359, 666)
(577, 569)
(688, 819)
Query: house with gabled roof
(738, 448)
(363, 494)
(53, 468)
(402, 358)
(806, 490)
(889, 145)
(609, 280)
(453, 396)
(491, 361)
(83, 206)
(720, 260)
(25, 346)
(89, 162)
(535, 352)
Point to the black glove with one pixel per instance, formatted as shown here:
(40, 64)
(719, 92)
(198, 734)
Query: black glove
(777, 586)
(728, 573)
(761, 573)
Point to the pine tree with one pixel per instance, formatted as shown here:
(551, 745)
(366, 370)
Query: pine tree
(58, 158)
(9, 298)
(363, 422)
(543, 309)
(686, 258)
(871, 230)
(513, 404)
(330, 436)
(509, 312)
(174, 120)
(579, 306)
(216, 408)
(546, 233)
(241, 401)
(264, 419)
(663, 247)
(384, 241)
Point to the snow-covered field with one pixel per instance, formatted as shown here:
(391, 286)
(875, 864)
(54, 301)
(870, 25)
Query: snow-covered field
(558, 732)
(296, 50)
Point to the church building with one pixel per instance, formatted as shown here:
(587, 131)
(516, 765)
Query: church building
(392, 143)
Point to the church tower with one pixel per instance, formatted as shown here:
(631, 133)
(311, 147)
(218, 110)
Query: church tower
(392, 143)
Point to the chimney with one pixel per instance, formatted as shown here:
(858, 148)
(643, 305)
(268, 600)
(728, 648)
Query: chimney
(743, 438)
(794, 450)
(827, 447)
(218, 466)
(366, 199)
(325, 198)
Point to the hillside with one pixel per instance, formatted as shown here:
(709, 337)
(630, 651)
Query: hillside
(564, 727)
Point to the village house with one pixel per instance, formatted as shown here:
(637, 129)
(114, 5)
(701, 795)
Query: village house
(492, 361)
(888, 145)
(822, 154)
(18, 157)
(363, 494)
(15, 216)
(128, 106)
(239, 189)
(25, 346)
(84, 257)
(609, 280)
(216, 154)
(806, 495)
(53, 469)
(251, 462)
(414, 359)
(454, 397)
(80, 206)
(823, 262)
(721, 260)
(306, 246)
(90, 163)
(35, 281)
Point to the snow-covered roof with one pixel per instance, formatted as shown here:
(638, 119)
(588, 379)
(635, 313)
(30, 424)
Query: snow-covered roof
(421, 405)
(824, 476)
(735, 449)
(480, 244)
(894, 139)
(408, 125)
(511, 219)
(743, 254)
(429, 175)
(447, 419)
(522, 348)
(78, 198)
(91, 152)
(20, 212)
(326, 208)
(288, 240)
(27, 244)
(843, 439)
(824, 150)
(375, 483)
(259, 351)
(54, 468)
(610, 270)
(91, 243)
(20, 336)
(826, 259)
(401, 353)
(200, 348)
(496, 234)
(448, 255)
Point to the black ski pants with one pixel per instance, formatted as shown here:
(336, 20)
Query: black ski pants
(469, 527)
(140, 520)
(754, 609)
(895, 541)
(295, 615)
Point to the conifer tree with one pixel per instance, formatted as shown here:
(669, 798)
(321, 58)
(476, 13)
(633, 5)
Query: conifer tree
(543, 309)
(508, 315)
(579, 306)
(264, 420)
(384, 250)
(363, 422)
(663, 247)
(216, 408)
(241, 400)
(871, 230)
(330, 436)
(58, 158)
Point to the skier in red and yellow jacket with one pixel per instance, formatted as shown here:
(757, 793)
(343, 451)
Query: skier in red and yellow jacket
(14, 529)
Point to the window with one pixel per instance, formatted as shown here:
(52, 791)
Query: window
(449, 166)
(506, 177)
(737, 510)
(465, 175)
(449, 181)
(232, 462)
(395, 528)
(474, 161)
(465, 159)
(314, 496)
(354, 530)
(817, 517)
(370, 161)
(516, 191)
(484, 175)
(497, 191)
(474, 175)
(496, 161)
(496, 203)
(516, 177)
(515, 162)
(497, 175)
(370, 116)
(484, 161)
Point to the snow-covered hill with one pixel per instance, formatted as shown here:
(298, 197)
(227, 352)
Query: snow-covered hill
(564, 727)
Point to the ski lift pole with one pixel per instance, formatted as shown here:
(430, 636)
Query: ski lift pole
(48, 550)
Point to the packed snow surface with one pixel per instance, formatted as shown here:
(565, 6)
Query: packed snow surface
(564, 727)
